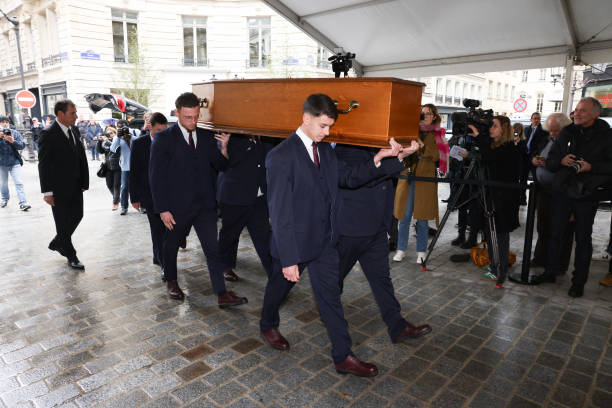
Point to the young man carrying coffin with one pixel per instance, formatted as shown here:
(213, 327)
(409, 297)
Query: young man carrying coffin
(303, 176)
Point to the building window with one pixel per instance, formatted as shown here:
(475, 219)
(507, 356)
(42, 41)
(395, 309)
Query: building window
(543, 75)
(194, 41)
(125, 35)
(259, 41)
(498, 93)
(506, 91)
(540, 102)
(322, 55)
(558, 106)
(490, 89)
(512, 95)
(525, 76)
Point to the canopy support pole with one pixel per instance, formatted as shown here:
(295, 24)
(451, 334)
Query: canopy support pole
(568, 95)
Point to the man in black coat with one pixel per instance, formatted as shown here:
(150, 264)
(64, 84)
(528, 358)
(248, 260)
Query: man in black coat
(62, 167)
(581, 158)
(140, 190)
(536, 136)
(242, 200)
(364, 223)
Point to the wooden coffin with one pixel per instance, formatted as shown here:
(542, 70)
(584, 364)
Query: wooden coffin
(374, 109)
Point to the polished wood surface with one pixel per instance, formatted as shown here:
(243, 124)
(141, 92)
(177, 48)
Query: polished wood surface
(388, 107)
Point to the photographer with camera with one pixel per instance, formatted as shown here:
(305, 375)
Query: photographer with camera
(10, 163)
(501, 158)
(581, 158)
(123, 141)
(113, 169)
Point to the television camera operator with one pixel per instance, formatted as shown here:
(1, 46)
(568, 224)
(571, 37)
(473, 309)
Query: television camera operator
(500, 156)
(581, 158)
(123, 141)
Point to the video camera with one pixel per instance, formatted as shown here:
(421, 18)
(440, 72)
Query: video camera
(341, 62)
(479, 118)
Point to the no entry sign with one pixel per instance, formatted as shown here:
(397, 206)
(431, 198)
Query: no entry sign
(25, 99)
(520, 105)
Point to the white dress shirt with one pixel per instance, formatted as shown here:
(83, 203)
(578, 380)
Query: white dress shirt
(307, 143)
(185, 133)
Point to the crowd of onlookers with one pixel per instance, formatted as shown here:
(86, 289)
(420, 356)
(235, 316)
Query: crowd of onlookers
(569, 158)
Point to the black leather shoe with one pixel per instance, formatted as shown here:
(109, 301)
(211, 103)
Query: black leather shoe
(75, 264)
(470, 243)
(55, 247)
(544, 278)
(174, 291)
(459, 240)
(576, 291)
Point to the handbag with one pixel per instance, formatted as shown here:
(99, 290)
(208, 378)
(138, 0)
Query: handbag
(103, 170)
(480, 255)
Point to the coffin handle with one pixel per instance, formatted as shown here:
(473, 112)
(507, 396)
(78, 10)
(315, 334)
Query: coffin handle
(203, 102)
(352, 105)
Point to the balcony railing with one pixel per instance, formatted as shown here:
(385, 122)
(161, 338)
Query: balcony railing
(31, 66)
(457, 101)
(448, 100)
(439, 98)
(190, 62)
(265, 63)
(54, 59)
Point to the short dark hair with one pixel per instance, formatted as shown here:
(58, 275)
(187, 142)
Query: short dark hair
(320, 104)
(535, 113)
(187, 100)
(62, 105)
(122, 123)
(158, 118)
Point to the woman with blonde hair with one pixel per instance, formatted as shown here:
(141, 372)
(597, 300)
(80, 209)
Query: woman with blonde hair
(500, 157)
(419, 198)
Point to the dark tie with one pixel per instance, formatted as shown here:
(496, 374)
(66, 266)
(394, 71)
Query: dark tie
(71, 138)
(191, 143)
(315, 154)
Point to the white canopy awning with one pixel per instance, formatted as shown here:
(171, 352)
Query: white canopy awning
(411, 38)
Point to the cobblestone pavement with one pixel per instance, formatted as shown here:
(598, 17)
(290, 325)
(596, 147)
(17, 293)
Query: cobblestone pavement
(110, 337)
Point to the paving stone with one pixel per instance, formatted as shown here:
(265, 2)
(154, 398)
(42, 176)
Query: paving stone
(164, 402)
(12, 398)
(94, 381)
(197, 352)
(135, 379)
(446, 367)
(568, 396)
(410, 368)
(131, 399)
(247, 345)
(162, 385)
(543, 374)
(37, 374)
(448, 399)
(576, 380)
(532, 390)
(21, 354)
(267, 393)
(191, 391)
(169, 366)
(294, 376)
(602, 399)
(217, 377)
(332, 400)
(427, 385)
(66, 377)
(500, 387)
(255, 377)
(550, 360)
(485, 400)
(478, 370)
(406, 401)
(192, 371)
(370, 401)
(221, 358)
(300, 397)
(56, 397)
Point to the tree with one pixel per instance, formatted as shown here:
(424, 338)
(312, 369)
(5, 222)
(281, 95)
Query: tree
(137, 79)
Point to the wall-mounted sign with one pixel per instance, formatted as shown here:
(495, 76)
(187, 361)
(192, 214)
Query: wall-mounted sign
(90, 55)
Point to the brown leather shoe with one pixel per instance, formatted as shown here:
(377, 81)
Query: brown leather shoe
(174, 292)
(275, 339)
(352, 365)
(230, 276)
(229, 299)
(413, 332)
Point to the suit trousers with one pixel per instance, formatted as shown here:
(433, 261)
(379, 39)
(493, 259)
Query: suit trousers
(113, 183)
(233, 220)
(543, 225)
(67, 213)
(204, 221)
(372, 252)
(158, 235)
(584, 214)
(325, 281)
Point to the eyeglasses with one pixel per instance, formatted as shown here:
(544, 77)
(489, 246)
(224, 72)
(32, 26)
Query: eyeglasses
(428, 114)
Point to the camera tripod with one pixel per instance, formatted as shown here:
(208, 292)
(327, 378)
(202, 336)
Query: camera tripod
(481, 194)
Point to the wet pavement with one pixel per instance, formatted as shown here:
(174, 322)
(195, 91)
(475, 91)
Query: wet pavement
(109, 336)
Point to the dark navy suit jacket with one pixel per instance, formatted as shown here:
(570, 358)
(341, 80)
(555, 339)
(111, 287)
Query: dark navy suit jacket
(246, 172)
(302, 221)
(540, 139)
(178, 176)
(367, 209)
(140, 190)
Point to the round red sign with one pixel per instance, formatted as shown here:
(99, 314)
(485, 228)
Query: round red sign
(520, 105)
(25, 99)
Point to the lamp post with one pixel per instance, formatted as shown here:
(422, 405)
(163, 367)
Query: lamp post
(27, 124)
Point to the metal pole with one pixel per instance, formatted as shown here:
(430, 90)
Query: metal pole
(27, 124)
(567, 84)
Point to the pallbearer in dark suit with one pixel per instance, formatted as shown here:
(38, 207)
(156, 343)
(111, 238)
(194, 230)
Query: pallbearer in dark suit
(62, 167)
(364, 224)
(182, 174)
(303, 177)
(242, 199)
(140, 190)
